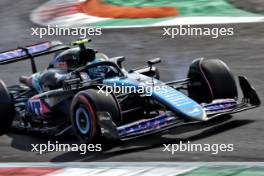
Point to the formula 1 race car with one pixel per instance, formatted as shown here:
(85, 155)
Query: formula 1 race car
(77, 99)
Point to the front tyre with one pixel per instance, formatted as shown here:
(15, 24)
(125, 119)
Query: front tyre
(210, 80)
(83, 118)
(84, 109)
(7, 110)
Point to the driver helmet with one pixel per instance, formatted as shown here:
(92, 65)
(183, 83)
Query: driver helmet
(72, 58)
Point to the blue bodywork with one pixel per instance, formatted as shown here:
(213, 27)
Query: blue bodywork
(174, 99)
(147, 125)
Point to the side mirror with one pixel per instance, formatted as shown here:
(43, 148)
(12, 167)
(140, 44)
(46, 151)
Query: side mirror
(153, 61)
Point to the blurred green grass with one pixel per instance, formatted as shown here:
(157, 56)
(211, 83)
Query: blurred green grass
(190, 7)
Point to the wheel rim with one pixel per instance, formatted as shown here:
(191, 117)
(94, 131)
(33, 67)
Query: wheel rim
(83, 120)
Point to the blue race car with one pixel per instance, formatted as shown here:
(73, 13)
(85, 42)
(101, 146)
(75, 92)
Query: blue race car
(85, 93)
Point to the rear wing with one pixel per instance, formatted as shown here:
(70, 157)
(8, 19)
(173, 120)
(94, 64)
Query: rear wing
(28, 52)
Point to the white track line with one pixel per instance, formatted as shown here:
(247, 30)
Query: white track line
(129, 171)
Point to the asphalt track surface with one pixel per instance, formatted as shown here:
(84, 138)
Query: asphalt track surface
(243, 52)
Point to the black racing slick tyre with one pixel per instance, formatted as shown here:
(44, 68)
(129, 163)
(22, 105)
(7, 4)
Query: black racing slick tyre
(211, 79)
(84, 110)
(7, 110)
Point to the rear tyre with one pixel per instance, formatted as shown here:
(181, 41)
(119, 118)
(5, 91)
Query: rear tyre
(7, 110)
(210, 80)
(84, 108)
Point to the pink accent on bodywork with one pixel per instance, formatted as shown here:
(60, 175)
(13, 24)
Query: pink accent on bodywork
(45, 109)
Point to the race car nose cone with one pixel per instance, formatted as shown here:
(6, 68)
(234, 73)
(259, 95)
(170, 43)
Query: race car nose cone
(200, 114)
